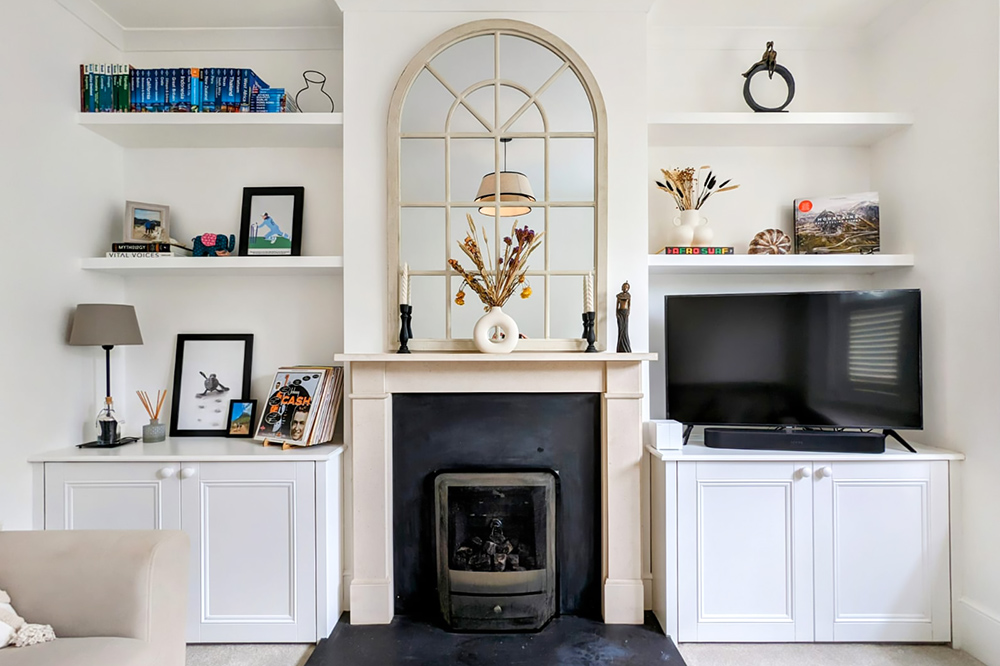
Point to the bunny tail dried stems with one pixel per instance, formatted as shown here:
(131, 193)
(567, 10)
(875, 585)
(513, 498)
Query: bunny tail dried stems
(682, 184)
(496, 284)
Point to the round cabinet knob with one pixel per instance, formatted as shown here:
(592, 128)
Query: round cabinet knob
(187, 472)
(825, 472)
(497, 609)
(801, 473)
(166, 472)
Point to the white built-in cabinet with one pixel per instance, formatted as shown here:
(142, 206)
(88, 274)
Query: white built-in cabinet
(265, 541)
(752, 547)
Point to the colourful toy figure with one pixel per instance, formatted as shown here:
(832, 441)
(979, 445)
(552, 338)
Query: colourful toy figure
(213, 245)
(273, 231)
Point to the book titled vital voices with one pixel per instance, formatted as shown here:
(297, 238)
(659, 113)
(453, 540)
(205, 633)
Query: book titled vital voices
(839, 224)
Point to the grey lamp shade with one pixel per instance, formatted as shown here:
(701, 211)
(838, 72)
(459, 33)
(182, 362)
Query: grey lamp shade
(98, 324)
(515, 194)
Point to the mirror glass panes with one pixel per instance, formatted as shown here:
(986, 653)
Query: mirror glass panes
(460, 105)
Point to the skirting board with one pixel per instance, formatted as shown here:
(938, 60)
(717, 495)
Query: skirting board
(979, 631)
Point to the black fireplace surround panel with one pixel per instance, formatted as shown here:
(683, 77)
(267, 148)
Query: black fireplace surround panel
(500, 432)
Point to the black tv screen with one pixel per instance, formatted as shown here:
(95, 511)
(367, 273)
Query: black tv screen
(841, 359)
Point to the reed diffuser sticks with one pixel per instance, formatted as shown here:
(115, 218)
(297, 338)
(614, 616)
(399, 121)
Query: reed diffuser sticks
(154, 414)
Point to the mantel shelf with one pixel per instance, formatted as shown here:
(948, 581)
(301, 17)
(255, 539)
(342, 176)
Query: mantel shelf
(217, 130)
(515, 357)
(776, 263)
(215, 266)
(774, 129)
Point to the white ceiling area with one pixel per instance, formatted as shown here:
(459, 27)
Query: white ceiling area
(186, 14)
(776, 13)
(139, 14)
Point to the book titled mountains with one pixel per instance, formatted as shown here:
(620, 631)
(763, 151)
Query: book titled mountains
(837, 224)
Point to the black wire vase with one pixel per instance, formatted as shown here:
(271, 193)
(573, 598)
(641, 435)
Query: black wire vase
(313, 98)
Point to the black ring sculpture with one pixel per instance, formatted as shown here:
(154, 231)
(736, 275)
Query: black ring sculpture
(781, 71)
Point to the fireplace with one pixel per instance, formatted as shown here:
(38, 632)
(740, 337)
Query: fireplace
(496, 550)
(403, 433)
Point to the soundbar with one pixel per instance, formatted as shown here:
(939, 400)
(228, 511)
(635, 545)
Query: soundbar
(817, 441)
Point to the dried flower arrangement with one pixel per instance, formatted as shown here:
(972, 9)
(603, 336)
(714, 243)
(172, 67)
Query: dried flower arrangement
(494, 287)
(690, 190)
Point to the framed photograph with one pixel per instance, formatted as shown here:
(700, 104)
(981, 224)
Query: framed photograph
(210, 370)
(271, 223)
(146, 222)
(242, 418)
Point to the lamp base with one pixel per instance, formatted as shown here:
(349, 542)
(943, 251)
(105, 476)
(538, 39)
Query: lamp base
(101, 445)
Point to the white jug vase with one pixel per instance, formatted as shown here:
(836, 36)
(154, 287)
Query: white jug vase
(692, 228)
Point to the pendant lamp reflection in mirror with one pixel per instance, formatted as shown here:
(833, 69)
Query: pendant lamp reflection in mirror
(515, 190)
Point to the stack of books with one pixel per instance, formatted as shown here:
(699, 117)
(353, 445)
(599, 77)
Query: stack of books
(303, 406)
(114, 88)
(139, 250)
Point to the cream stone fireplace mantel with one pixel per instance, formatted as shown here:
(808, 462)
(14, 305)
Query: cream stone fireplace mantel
(374, 378)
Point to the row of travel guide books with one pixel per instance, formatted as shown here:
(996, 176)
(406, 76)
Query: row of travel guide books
(112, 88)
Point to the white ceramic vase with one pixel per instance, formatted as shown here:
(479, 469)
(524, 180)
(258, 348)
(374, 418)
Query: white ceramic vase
(495, 332)
(690, 228)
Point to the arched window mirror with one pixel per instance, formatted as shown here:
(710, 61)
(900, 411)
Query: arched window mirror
(497, 109)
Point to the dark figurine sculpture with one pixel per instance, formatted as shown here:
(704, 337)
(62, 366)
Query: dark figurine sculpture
(621, 313)
(769, 60)
(769, 63)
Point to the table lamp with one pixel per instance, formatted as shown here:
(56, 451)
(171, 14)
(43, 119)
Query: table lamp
(105, 325)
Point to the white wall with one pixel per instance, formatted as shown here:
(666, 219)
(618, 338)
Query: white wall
(942, 175)
(62, 191)
(378, 45)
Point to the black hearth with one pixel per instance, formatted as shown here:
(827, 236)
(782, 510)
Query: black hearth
(496, 550)
(487, 434)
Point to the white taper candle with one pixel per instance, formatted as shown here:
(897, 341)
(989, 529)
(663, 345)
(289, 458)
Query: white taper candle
(404, 286)
(588, 293)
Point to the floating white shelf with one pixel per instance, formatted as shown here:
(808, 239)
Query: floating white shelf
(215, 266)
(774, 129)
(776, 263)
(218, 130)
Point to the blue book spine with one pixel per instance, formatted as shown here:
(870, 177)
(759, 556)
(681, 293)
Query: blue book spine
(245, 90)
(101, 84)
(91, 88)
(232, 99)
(154, 104)
(133, 88)
(147, 90)
(195, 89)
(207, 90)
(173, 92)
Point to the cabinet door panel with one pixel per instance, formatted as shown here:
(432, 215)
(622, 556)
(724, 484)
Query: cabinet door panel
(745, 552)
(882, 552)
(111, 496)
(252, 527)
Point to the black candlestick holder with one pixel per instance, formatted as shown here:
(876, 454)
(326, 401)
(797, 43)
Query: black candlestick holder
(405, 333)
(588, 331)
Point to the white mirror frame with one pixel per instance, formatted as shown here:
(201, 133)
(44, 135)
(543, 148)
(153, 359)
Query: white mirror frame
(413, 69)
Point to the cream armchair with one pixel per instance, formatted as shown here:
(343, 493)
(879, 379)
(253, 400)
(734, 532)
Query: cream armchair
(114, 598)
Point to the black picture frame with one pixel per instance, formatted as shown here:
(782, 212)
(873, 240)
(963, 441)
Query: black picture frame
(251, 424)
(186, 418)
(249, 229)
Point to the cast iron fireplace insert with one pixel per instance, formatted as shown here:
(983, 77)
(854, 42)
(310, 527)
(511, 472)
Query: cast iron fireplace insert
(496, 549)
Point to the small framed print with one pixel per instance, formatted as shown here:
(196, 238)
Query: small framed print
(242, 418)
(146, 222)
(210, 370)
(271, 223)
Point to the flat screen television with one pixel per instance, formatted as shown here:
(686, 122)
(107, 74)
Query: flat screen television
(847, 359)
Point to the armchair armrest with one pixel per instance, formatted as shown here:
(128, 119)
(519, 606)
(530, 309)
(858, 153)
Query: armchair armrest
(131, 584)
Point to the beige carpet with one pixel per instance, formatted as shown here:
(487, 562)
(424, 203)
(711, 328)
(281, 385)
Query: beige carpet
(823, 654)
(248, 655)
